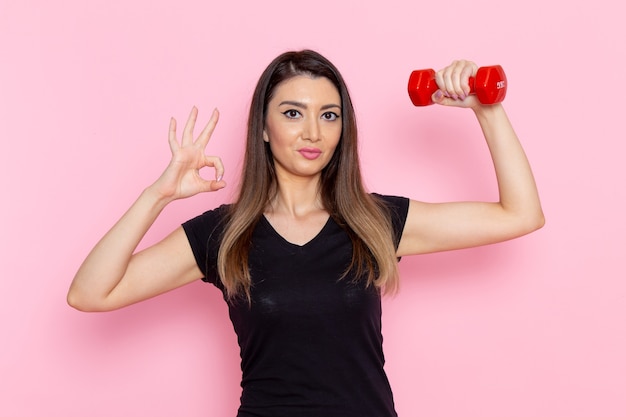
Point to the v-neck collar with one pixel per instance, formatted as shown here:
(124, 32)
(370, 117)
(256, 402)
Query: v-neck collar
(284, 241)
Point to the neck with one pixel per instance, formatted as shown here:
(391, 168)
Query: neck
(296, 196)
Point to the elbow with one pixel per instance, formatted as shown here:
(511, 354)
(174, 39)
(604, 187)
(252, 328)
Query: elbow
(83, 303)
(76, 302)
(541, 221)
(538, 220)
(532, 222)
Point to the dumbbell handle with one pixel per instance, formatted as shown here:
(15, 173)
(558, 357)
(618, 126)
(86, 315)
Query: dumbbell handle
(489, 85)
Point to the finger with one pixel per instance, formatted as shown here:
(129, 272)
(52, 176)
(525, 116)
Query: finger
(440, 96)
(469, 70)
(217, 185)
(204, 186)
(444, 81)
(441, 83)
(450, 90)
(215, 162)
(214, 185)
(191, 122)
(172, 135)
(207, 132)
(456, 80)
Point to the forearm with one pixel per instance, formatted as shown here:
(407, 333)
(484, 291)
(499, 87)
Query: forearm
(517, 189)
(108, 261)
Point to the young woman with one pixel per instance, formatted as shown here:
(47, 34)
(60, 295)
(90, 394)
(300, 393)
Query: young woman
(304, 253)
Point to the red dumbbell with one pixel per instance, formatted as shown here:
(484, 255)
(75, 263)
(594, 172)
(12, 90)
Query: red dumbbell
(489, 85)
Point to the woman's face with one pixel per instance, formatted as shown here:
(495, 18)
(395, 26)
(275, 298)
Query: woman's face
(303, 125)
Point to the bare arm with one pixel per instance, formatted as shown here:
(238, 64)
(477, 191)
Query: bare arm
(448, 226)
(113, 275)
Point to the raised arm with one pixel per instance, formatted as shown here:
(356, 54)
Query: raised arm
(447, 226)
(113, 275)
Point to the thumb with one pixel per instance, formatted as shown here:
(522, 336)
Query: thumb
(216, 185)
(438, 97)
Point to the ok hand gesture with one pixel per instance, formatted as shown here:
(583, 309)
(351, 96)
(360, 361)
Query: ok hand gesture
(181, 178)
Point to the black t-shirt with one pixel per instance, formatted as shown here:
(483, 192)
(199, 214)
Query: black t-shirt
(311, 343)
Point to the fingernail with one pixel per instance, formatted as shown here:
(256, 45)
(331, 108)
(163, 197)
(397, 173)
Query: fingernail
(438, 95)
(219, 178)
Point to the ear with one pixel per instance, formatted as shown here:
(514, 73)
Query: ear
(266, 138)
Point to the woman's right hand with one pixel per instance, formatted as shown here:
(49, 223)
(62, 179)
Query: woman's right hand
(114, 275)
(181, 178)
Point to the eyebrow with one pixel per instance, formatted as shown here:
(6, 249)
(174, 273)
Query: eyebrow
(304, 106)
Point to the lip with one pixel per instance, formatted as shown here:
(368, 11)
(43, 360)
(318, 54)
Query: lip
(310, 153)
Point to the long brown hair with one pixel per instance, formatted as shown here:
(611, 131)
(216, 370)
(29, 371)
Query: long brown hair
(363, 216)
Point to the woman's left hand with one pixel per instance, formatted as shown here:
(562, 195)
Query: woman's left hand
(453, 82)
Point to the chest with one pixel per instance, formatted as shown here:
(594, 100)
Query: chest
(305, 285)
(296, 231)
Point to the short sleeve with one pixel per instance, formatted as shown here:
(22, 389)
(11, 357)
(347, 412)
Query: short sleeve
(398, 210)
(204, 233)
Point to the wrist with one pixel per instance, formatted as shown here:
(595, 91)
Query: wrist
(488, 111)
(155, 198)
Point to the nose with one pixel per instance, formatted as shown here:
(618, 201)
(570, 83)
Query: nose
(312, 130)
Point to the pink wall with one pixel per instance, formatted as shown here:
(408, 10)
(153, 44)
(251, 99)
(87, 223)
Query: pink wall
(532, 327)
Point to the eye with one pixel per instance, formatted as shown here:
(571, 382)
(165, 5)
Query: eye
(292, 114)
(330, 116)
